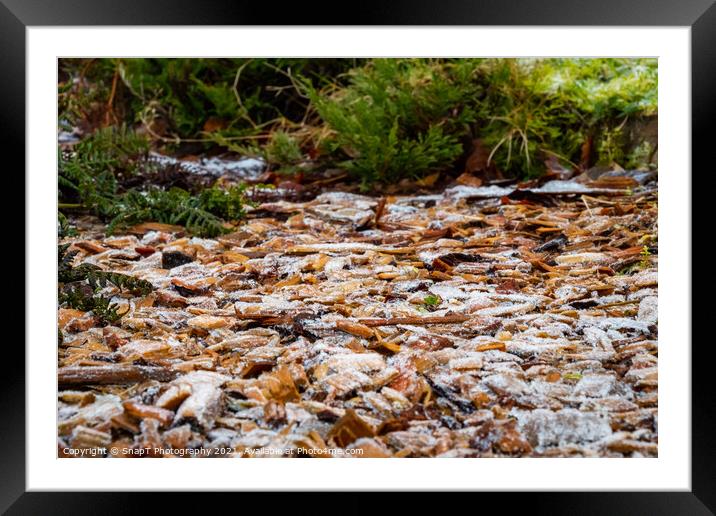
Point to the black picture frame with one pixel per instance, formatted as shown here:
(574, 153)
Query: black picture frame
(700, 15)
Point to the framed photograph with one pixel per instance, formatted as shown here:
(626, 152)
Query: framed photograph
(452, 233)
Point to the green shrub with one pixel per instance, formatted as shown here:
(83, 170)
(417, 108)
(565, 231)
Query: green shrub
(202, 215)
(381, 119)
(396, 118)
(226, 203)
(190, 98)
(89, 175)
(283, 151)
(84, 94)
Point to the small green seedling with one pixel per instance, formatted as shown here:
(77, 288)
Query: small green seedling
(645, 257)
(431, 302)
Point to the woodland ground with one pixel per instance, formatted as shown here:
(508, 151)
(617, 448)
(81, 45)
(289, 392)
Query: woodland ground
(398, 258)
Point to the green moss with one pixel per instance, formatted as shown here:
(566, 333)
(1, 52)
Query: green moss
(641, 156)
(611, 146)
(534, 108)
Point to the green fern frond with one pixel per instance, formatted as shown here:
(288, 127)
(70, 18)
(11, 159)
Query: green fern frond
(98, 279)
(102, 308)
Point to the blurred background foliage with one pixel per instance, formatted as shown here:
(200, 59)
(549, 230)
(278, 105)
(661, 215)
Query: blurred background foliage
(382, 120)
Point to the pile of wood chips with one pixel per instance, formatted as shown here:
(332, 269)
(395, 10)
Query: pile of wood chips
(475, 322)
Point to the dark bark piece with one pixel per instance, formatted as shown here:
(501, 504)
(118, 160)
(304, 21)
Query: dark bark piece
(452, 399)
(453, 259)
(417, 321)
(112, 374)
(171, 259)
(551, 245)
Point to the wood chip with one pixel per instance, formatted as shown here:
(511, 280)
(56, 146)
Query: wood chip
(415, 321)
(142, 411)
(112, 374)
